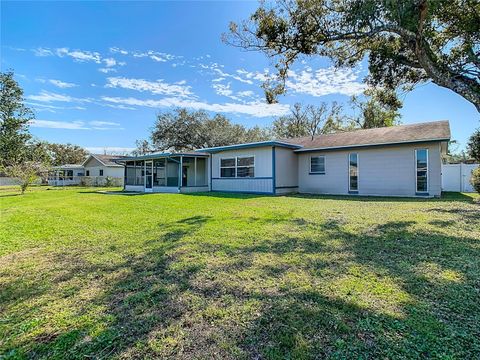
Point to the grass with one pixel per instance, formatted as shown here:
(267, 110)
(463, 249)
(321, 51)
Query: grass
(85, 274)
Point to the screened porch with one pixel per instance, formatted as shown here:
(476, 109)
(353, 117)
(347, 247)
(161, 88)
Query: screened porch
(166, 173)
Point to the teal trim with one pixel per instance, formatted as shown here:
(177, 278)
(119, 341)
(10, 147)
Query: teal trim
(286, 187)
(158, 156)
(250, 145)
(244, 178)
(317, 173)
(274, 174)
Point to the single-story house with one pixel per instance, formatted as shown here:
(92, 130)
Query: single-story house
(402, 160)
(64, 175)
(93, 171)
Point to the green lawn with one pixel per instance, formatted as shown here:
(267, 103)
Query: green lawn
(93, 275)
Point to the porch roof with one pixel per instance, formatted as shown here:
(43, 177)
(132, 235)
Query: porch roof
(251, 145)
(161, 155)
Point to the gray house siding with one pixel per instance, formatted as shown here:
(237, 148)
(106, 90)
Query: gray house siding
(386, 170)
(94, 167)
(286, 173)
(261, 183)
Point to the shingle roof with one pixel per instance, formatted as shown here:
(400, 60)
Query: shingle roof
(429, 131)
(108, 160)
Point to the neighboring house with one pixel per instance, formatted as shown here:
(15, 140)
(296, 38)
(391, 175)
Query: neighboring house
(392, 161)
(63, 175)
(102, 166)
(93, 171)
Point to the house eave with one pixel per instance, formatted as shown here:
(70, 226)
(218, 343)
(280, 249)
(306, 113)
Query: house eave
(250, 145)
(354, 146)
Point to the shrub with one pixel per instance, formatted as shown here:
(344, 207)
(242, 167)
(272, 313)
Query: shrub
(109, 181)
(475, 179)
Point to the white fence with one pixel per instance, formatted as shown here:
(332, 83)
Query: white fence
(456, 177)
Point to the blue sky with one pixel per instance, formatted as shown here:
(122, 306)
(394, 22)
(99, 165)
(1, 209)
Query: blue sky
(97, 73)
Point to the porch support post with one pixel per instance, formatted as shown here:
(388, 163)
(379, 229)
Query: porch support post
(180, 172)
(195, 177)
(166, 170)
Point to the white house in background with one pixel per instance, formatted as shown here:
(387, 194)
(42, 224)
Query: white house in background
(93, 171)
(64, 175)
(102, 166)
(393, 161)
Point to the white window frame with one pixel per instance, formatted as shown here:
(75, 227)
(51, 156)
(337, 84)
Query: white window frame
(416, 172)
(324, 165)
(358, 172)
(220, 167)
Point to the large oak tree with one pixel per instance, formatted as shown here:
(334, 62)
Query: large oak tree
(407, 41)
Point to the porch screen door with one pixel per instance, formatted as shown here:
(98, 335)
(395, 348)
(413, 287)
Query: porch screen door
(148, 175)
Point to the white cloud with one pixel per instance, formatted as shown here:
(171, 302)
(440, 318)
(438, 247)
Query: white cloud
(155, 87)
(156, 56)
(255, 109)
(117, 50)
(109, 62)
(75, 125)
(61, 84)
(107, 70)
(79, 55)
(216, 68)
(325, 81)
(42, 52)
(46, 96)
(225, 90)
(103, 123)
(40, 107)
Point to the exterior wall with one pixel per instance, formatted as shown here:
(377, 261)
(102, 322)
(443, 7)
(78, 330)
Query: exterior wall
(94, 167)
(387, 171)
(286, 171)
(261, 183)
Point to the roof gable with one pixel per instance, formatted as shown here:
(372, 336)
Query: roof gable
(104, 160)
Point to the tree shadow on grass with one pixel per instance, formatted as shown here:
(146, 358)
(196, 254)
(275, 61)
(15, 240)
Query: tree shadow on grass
(397, 292)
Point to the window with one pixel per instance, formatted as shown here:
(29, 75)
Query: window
(69, 174)
(421, 170)
(317, 165)
(353, 172)
(227, 168)
(101, 172)
(88, 172)
(240, 167)
(246, 166)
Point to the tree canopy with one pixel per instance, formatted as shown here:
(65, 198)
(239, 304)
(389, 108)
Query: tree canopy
(473, 146)
(407, 42)
(14, 119)
(181, 130)
(308, 120)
